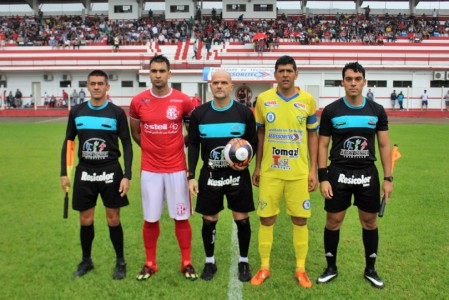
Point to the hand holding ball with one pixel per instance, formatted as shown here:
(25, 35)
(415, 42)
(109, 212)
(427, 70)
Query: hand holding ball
(238, 153)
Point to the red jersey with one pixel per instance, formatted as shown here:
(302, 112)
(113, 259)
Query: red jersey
(161, 126)
(196, 101)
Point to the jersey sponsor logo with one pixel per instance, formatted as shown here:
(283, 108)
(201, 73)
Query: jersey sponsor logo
(176, 100)
(170, 128)
(217, 159)
(300, 105)
(172, 112)
(306, 204)
(355, 147)
(232, 181)
(291, 137)
(155, 126)
(281, 156)
(93, 149)
(104, 177)
(145, 101)
(291, 153)
(364, 181)
(280, 163)
(271, 103)
(271, 117)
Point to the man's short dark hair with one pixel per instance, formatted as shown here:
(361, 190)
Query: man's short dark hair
(285, 60)
(355, 66)
(99, 73)
(160, 59)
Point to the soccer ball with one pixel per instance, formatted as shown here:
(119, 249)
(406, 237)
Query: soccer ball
(238, 152)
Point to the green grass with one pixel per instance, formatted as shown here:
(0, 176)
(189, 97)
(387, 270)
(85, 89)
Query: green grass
(40, 250)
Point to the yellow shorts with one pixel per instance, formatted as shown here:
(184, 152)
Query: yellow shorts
(295, 192)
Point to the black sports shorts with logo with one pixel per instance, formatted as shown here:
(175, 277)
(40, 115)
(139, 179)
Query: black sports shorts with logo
(91, 182)
(362, 183)
(214, 185)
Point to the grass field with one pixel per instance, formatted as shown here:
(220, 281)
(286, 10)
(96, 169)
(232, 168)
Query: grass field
(40, 250)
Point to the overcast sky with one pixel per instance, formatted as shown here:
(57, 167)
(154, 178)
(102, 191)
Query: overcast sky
(209, 5)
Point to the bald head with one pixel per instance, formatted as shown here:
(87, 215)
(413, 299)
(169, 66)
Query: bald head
(221, 74)
(221, 87)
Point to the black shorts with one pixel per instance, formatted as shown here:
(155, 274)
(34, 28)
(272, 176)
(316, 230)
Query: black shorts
(214, 185)
(362, 183)
(91, 182)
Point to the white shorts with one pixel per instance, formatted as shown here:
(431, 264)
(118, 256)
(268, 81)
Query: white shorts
(172, 186)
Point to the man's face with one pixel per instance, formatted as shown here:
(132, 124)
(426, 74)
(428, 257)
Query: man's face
(221, 85)
(285, 76)
(353, 82)
(159, 74)
(98, 87)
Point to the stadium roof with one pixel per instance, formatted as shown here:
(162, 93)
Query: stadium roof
(29, 2)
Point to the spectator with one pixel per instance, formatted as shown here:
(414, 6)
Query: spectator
(370, 95)
(53, 101)
(76, 43)
(446, 98)
(2, 40)
(65, 98)
(82, 95)
(46, 99)
(75, 97)
(208, 44)
(10, 100)
(400, 100)
(18, 99)
(195, 50)
(367, 11)
(393, 98)
(424, 100)
(116, 44)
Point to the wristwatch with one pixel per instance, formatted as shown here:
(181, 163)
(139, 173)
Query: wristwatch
(389, 178)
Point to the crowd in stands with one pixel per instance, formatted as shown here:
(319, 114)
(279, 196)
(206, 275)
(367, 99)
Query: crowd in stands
(75, 31)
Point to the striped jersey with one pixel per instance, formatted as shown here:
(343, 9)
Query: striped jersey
(212, 128)
(353, 130)
(98, 130)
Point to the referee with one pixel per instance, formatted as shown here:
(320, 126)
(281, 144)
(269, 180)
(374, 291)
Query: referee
(99, 125)
(352, 123)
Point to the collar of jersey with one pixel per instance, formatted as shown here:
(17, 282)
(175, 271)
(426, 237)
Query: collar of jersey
(355, 107)
(163, 96)
(287, 99)
(97, 107)
(221, 108)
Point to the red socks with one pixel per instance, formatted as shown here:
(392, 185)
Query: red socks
(150, 235)
(184, 235)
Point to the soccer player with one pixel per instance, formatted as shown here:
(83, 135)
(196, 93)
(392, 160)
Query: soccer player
(352, 123)
(157, 118)
(98, 125)
(285, 164)
(212, 125)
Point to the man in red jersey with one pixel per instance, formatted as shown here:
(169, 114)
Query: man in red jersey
(196, 100)
(157, 118)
